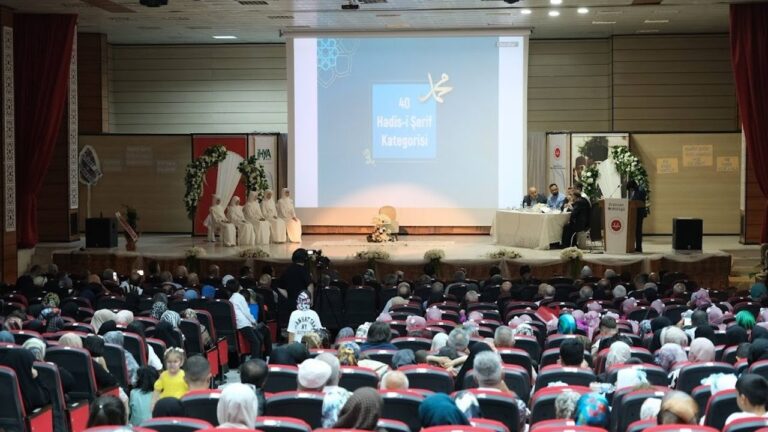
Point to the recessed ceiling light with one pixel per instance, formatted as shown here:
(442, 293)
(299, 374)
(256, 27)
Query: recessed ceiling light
(225, 37)
(648, 31)
(555, 2)
(582, 10)
(659, 21)
(525, 11)
(603, 22)
(554, 13)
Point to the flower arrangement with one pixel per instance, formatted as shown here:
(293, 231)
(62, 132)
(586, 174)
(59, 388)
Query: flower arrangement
(254, 175)
(630, 167)
(254, 252)
(195, 175)
(503, 253)
(194, 252)
(374, 254)
(434, 255)
(589, 181)
(571, 254)
(381, 232)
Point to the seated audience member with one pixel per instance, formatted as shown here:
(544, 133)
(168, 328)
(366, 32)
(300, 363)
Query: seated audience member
(403, 294)
(141, 395)
(618, 353)
(572, 354)
(95, 346)
(533, 198)
(190, 314)
(416, 326)
(403, 357)
(593, 409)
(503, 337)
(752, 397)
(702, 350)
(678, 408)
(123, 318)
(303, 320)
(153, 360)
(247, 324)
(565, 405)
(33, 391)
(608, 328)
(440, 410)
(197, 373)
(117, 338)
(394, 380)
(171, 382)
(349, 355)
(671, 358)
(458, 339)
(237, 407)
(100, 317)
(289, 354)
(169, 407)
(313, 375)
(439, 341)
(378, 337)
(107, 411)
(312, 341)
(361, 411)
(650, 409)
(488, 371)
(254, 372)
(37, 347)
(334, 396)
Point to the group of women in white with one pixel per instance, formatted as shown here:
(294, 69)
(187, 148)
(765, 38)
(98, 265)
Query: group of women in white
(255, 223)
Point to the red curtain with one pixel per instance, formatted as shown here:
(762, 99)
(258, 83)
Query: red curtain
(42, 52)
(749, 57)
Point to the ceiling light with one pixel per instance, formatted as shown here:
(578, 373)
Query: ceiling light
(225, 37)
(554, 13)
(648, 31)
(555, 2)
(658, 21)
(582, 10)
(525, 11)
(603, 22)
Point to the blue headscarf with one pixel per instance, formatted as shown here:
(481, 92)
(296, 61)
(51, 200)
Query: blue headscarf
(439, 410)
(566, 324)
(208, 291)
(592, 409)
(190, 294)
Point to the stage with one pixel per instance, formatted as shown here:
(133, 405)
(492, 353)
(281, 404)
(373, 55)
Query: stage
(710, 268)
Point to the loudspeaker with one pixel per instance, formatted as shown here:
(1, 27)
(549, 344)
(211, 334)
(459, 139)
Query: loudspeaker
(101, 232)
(687, 233)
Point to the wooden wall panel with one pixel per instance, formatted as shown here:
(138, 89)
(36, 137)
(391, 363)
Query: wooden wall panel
(92, 86)
(143, 171)
(692, 192)
(673, 83)
(569, 85)
(198, 89)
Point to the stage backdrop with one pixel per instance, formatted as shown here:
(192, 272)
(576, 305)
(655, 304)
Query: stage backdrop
(264, 147)
(224, 179)
(143, 171)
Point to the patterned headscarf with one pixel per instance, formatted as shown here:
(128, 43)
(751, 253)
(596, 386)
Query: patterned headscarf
(302, 301)
(700, 298)
(669, 355)
(171, 317)
(592, 410)
(523, 329)
(348, 354)
(51, 300)
(158, 309)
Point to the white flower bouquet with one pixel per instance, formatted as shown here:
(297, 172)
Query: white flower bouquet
(504, 253)
(254, 252)
(374, 254)
(194, 252)
(571, 254)
(434, 255)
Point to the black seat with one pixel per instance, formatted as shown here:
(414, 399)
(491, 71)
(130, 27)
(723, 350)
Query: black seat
(193, 337)
(201, 404)
(692, 374)
(627, 409)
(115, 358)
(516, 356)
(384, 356)
(403, 405)
(281, 424)
(111, 302)
(176, 424)
(282, 378)
(306, 406)
(569, 375)
(223, 315)
(498, 406)
(78, 362)
(330, 307)
(656, 375)
(134, 345)
(430, 378)
(353, 378)
(51, 380)
(360, 306)
(720, 406)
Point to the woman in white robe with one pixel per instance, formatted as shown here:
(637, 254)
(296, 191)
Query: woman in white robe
(245, 234)
(287, 212)
(253, 214)
(222, 224)
(276, 225)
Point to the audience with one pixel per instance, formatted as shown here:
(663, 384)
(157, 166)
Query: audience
(171, 382)
(752, 397)
(254, 372)
(334, 396)
(141, 395)
(361, 411)
(313, 375)
(107, 411)
(378, 338)
(440, 410)
(197, 373)
(394, 380)
(237, 407)
(678, 408)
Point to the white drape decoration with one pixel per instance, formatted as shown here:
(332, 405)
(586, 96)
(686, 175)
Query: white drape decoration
(537, 161)
(609, 179)
(228, 177)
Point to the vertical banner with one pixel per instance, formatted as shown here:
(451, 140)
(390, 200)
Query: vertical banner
(557, 160)
(264, 147)
(223, 175)
(616, 225)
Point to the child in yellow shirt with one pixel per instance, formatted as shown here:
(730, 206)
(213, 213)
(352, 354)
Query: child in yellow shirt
(171, 382)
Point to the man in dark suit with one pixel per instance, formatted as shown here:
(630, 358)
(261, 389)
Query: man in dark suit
(636, 193)
(579, 220)
(533, 198)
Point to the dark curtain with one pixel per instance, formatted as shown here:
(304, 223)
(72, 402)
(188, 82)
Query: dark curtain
(42, 50)
(749, 57)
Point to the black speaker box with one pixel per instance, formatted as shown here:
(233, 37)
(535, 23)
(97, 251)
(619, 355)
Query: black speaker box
(101, 232)
(687, 233)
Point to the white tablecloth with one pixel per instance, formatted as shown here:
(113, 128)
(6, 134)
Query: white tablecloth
(527, 229)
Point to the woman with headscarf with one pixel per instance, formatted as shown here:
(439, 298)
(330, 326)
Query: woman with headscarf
(416, 326)
(745, 319)
(671, 357)
(287, 212)
(100, 317)
(237, 407)
(165, 331)
(51, 314)
(303, 320)
(566, 324)
(253, 214)
(673, 335)
(37, 347)
(440, 410)
(276, 225)
(246, 236)
(158, 309)
(592, 409)
(169, 407)
(33, 393)
(362, 410)
(439, 341)
(95, 346)
(618, 353)
(469, 363)
(191, 315)
(123, 318)
(117, 338)
(348, 353)
(153, 360)
(702, 350)
(106, 328)
(289, 354)
(734, 335)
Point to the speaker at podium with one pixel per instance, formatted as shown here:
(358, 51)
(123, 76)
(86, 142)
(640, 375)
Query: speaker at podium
(100, 232)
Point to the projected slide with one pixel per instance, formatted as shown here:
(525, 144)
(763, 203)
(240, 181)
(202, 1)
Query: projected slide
(413, 122)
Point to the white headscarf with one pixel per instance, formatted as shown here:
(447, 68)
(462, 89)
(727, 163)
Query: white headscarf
(237, 407)
(439, 341)
(124, 317)
(618, 353)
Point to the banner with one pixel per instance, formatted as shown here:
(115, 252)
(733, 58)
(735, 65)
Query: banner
(264, 147)
(616, 225)
(557, 161)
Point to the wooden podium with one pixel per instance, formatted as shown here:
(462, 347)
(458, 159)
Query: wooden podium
(619, 222)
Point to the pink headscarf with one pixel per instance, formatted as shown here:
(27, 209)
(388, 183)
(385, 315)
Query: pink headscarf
(702, 350)
(384, 317)
(415, 323)
(659, 306)
(715, 315)
(628, 305)
(475, 316)
(700, 298)
(434, 314)
(594, 306)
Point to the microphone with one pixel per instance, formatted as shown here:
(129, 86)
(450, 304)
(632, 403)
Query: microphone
(614, 191)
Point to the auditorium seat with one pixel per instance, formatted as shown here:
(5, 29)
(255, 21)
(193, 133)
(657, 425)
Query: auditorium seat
(498, 406)
(78, 362)
(360, 306)
(655, 374)
(490, 424)
(515, 378)
(570, 429)
(201, 404)
(158, 346)
(674, 312)
(752, 307)
(412, 343)
(626, 409)
(561, 423)
(641, 425)
(330, 308)
(729, 355)
(223, 316)
(530, 345)
(691, 374)
(701, 395)
(281, 424)
(281, 378)
(430, 378)
(176, 424)
(516, 356)
(389, 425)
(111, 302)
(747, 424)
(447, 326)
(759, 368)
(555, 340)
(314, 352)
(641, 354)
(179, 305)
(116, 365)
(551, 356)
(454, 428)
(134, 345)
(51, 380)
(20, 336)
(680, 428)
(303, 405)
(543, 401)
(13, 416)
(353, 378)
(719, 407)
(131, 429)
(402, 405)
